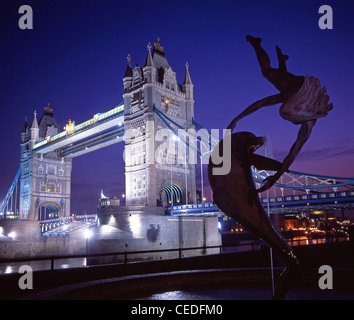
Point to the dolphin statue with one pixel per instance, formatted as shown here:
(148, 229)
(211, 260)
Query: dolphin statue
(236, 195)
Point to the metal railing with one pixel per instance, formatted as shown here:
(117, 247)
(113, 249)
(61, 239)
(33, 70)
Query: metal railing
(221, 249)
(124, 254)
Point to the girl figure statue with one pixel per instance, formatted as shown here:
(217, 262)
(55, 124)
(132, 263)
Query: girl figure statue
(303, 102)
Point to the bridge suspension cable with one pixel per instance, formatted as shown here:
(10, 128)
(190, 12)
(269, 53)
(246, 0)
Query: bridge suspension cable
(10, 200)
(293, 180)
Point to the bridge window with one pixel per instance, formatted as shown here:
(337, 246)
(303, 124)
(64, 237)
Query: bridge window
(40, 170)
(57, 189)
(51, 170)
(50, 187)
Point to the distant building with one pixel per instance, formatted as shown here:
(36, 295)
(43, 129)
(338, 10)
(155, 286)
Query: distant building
(106, 202)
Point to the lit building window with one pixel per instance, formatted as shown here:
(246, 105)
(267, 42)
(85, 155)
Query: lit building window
(50, 187)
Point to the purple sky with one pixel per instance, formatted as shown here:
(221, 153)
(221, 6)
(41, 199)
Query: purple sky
(75, 58)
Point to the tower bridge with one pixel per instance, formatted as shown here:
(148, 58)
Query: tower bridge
(98, 132)
(42, 186)
(153, 101)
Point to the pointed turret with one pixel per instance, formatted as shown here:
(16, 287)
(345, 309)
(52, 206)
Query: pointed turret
(34, 123)
(25, 131)
(129, 70)
(187, 84)
(149, 67)
(127, 80)
(149, 62)
(35, 128)
(25, 126)
(187, 77)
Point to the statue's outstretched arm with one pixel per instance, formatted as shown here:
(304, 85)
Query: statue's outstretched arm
(302, 137)
(268, 101)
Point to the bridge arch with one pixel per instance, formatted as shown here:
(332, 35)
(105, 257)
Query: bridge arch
(48, 210)
(171, 194)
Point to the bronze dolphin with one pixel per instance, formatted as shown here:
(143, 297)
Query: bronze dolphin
(235, 193)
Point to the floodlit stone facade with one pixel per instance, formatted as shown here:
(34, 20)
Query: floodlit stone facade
(154, 176)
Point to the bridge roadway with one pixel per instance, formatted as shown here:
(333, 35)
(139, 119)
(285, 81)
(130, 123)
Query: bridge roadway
(64, 226)
(278, 205)
(102, 130)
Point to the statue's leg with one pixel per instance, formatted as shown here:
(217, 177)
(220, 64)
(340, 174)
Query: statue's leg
(265, 102)
(284, 81)
(282, 58)
(262, 56)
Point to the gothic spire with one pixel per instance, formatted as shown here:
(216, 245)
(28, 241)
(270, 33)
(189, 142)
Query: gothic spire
(34, 123)
(149, 62)
(25, 126)
(128, 71)
(187, 77)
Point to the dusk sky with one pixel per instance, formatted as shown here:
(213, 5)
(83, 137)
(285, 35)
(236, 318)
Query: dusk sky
(75, 59)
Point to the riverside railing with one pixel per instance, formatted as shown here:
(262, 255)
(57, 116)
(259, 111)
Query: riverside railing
(221, 249)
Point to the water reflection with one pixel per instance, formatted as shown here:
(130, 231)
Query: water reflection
(222, 293)
(251, 293)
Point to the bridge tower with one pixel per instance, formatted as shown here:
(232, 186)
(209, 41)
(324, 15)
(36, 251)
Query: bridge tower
(45, 180)
(151, 182)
